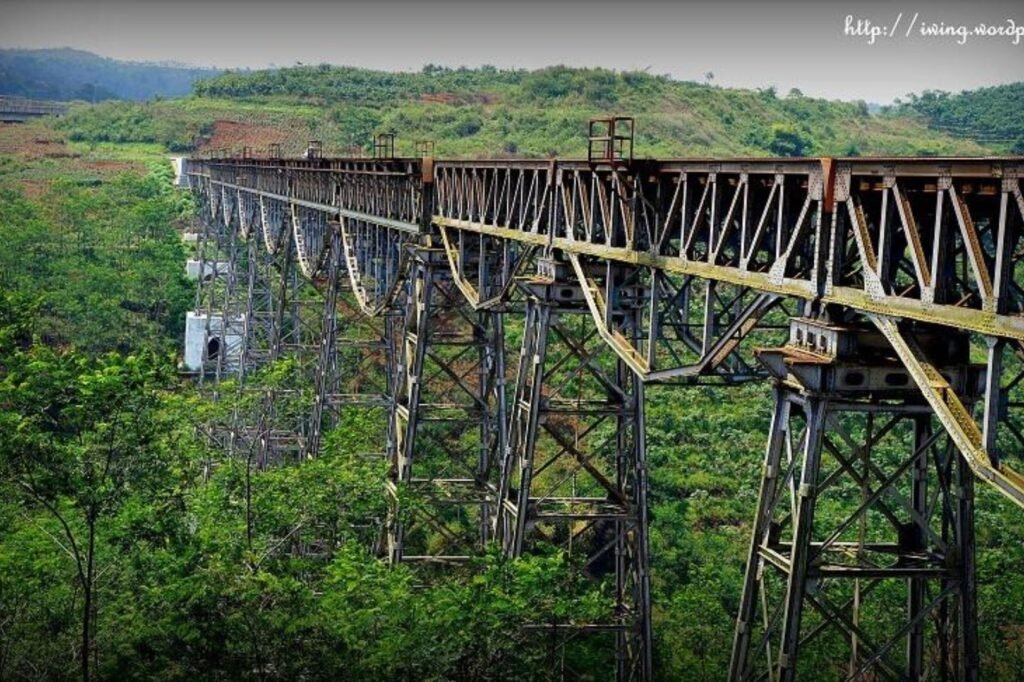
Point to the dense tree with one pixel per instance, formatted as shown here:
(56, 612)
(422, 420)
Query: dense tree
(788, 141)
(105, 262)
(989, 114)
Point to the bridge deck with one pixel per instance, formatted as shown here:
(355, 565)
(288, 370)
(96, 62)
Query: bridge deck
(905, 219)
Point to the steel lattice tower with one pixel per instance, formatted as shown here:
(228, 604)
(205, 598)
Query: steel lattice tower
(575, 471)
(448, 419)
(852, 436)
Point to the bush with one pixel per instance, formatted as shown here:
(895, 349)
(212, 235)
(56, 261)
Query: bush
(547, 84)
(788, 141)
(128, 122)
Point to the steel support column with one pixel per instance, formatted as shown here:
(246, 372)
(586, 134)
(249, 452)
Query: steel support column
(575, 472)
(447, 420)
(889, 569)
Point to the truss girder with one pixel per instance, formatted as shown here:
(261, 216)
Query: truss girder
(677, 270)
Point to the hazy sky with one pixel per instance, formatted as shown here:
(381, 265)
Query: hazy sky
(750, 44)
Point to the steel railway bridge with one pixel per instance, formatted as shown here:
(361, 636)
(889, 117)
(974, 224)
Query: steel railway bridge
(19, 109)
(882, 297)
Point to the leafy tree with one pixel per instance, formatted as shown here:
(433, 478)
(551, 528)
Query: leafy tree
(105, 262)
(788, 141)
(77, 445)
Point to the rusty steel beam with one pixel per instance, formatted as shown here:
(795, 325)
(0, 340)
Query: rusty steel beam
(679, 269)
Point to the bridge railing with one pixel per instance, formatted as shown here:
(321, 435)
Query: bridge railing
(28, 107)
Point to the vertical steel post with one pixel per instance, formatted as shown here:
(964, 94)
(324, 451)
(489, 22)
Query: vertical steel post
(326, 370)
(575, 471)
(855, 416)
(815, 410)
(767, 498)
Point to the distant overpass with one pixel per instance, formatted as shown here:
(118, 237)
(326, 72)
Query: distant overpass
(19, 110)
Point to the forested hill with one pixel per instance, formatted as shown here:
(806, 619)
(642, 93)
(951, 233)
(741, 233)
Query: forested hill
(507, 113)
(511, 112)
(989, 114)
(66, 74)
(519, 112)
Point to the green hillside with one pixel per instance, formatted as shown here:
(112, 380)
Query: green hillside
(991, 115)
(491, 112)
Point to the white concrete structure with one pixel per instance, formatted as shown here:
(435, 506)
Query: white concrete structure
(200, 349)
(209, 270)
(190, 237)
(180, 164)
